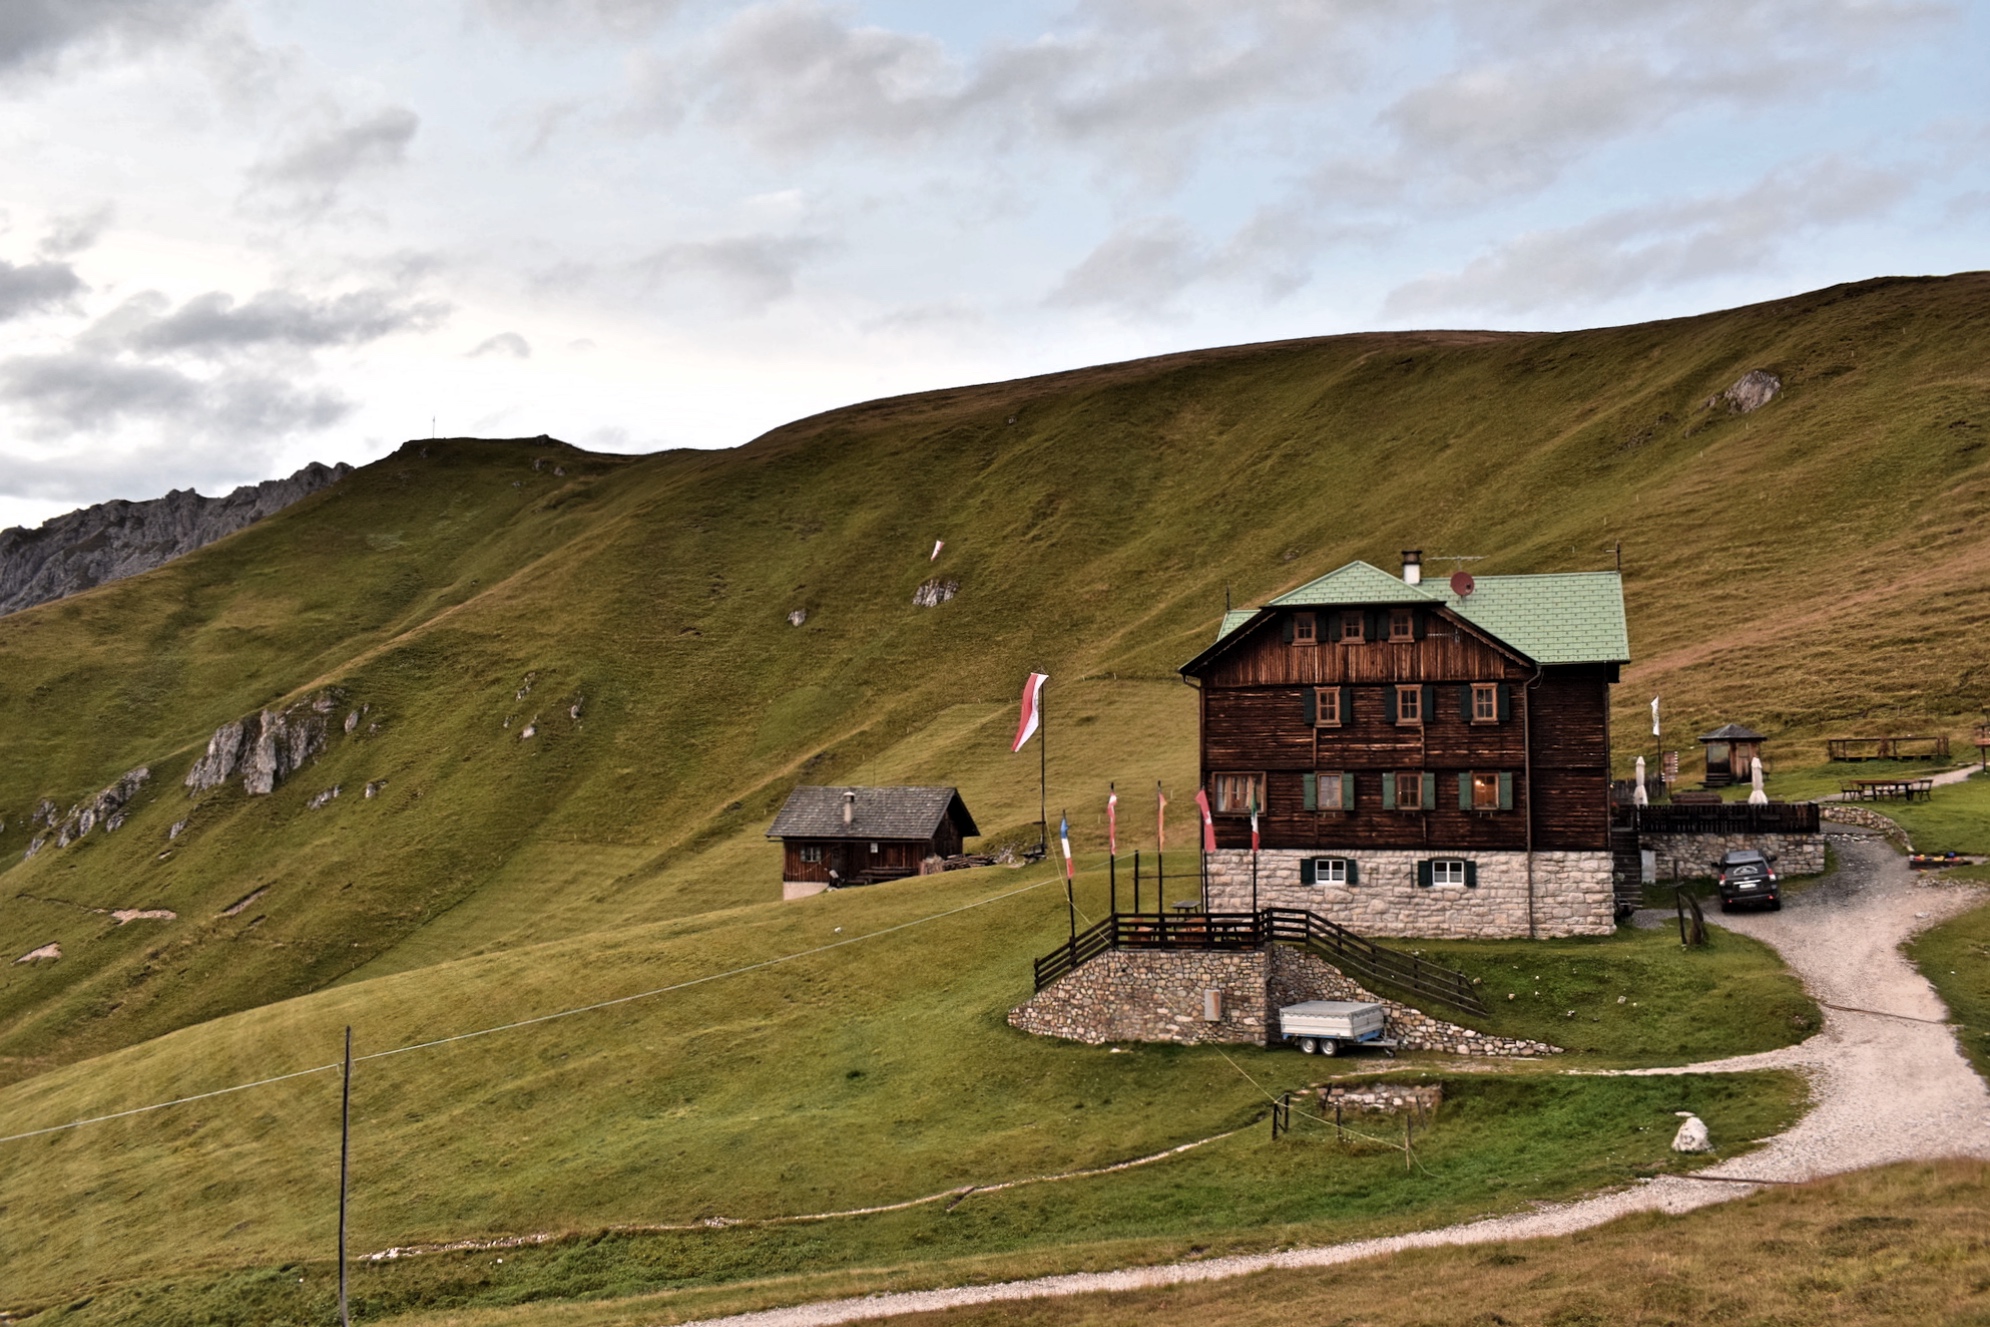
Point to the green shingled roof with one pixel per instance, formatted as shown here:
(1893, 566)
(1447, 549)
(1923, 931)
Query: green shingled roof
(1350, 586)
(1565, 618)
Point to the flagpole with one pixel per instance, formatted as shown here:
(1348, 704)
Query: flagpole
(1112, 854)
(1136, 874)
(1042, 772)
(1070, 904)
(1160, 852)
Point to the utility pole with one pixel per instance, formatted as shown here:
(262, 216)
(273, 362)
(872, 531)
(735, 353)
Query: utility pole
(345, 1158)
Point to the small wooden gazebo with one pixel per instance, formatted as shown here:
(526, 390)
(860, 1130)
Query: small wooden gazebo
(1730, 750)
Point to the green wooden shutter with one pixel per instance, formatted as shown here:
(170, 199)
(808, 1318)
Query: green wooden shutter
(1353, 872)
(1312, 705)
(1505, 702)
(1429, 709)
(1378, 624)
(1465, 702)
(1423, 874)
(1471, 874)
(1311, 784)
(1347, 792)
(1308, 875)
(1388, 704)
(1419, 621)
(1506, 792)
(1388, 792)
(1465, 791)
(1285, 625)
(1346, 706)
(1429, 791)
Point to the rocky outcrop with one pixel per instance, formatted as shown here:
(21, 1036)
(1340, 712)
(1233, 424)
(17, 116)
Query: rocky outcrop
(932, 594)
(265, 748)
(112, 540)
(106, 808)
(1750, 392)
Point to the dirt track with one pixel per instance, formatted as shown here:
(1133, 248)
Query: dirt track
(1889, 1084)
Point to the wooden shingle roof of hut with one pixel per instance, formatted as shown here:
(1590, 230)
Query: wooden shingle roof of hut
(814, 812)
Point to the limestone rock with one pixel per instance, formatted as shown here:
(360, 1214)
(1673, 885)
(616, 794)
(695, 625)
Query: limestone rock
(112, 540)
(106, 808)
(1750, 392)
(935, 592)
(1692, 1135)
(48, 951)
(265, 748)
(321, 799)
(800, 616)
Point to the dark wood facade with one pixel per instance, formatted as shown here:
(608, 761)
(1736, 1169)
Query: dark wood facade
(1545, 730)
(853, 860)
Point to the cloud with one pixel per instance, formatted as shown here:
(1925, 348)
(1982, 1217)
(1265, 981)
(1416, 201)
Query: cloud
(74, 233)
(1623, 252)
(1136, 269)
(36, 287)
(78, 392)
(504, 343)
(213, 325)
(539, 18)
(33, 33)
(304, 179)
(734, 274)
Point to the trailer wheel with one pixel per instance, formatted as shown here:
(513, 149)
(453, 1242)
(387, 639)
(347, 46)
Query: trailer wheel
(1328, 1046)
(1308, 1045)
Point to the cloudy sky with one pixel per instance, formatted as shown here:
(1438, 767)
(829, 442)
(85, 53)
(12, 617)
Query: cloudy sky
(237, 235)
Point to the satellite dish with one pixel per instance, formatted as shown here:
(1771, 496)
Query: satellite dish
(1462, 583)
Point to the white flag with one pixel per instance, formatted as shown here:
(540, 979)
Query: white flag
(1654, 716)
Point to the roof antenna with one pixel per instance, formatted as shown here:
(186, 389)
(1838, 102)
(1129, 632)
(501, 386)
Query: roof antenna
(1226, 598)
(1618, 548)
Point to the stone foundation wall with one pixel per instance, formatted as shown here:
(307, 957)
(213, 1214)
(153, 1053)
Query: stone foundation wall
(1867, 818)
(1683, 856)
(1573, 892)
(1157, 995)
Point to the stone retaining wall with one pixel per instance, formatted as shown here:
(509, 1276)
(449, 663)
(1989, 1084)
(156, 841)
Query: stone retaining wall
(1157, 995)
(1573, 892)
(1684, 856)
(1867, 818)
(1422, 1099)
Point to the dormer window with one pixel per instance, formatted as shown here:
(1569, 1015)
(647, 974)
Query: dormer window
(1353, 628)
(1402, 624)
(1305, 629)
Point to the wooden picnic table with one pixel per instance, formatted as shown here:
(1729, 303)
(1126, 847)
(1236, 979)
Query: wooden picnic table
(1880, 790)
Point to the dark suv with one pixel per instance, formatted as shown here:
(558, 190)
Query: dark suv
(1748, 876)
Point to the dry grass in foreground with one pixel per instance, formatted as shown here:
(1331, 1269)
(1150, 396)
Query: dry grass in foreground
(1901, 1244)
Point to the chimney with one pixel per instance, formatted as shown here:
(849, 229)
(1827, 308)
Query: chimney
(1412, 566)
(849, 805)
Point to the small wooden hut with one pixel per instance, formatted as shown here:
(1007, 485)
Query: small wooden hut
(835, 837)
(1730, 749)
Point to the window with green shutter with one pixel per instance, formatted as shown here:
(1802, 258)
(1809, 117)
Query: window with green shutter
(1310, 785)
(1429, 782)
(1346, 782)
(1506, 792)
(1388, 792)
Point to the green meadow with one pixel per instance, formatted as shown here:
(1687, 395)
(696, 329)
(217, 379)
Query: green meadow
(1812, 569)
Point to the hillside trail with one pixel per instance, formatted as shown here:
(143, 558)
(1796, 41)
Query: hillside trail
(1888, 1084)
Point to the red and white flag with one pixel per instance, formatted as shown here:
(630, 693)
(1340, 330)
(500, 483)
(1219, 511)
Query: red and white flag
(1208, 821)
(1032, 716)
(1112, 823)
(1254, 820)
(1160, 817)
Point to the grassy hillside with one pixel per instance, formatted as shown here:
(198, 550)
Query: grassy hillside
(1817, 566)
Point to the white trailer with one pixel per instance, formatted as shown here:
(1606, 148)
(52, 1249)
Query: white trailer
(1324, 1027)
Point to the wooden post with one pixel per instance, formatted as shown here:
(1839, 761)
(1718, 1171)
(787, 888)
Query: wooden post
(345, 1155)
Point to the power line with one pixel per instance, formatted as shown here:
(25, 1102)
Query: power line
(542, 1018)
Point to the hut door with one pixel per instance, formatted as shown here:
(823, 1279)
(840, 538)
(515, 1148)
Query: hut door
(1717, 758)
(839, 861)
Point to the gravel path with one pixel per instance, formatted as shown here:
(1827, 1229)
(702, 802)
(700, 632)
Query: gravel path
(1888, 1082)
